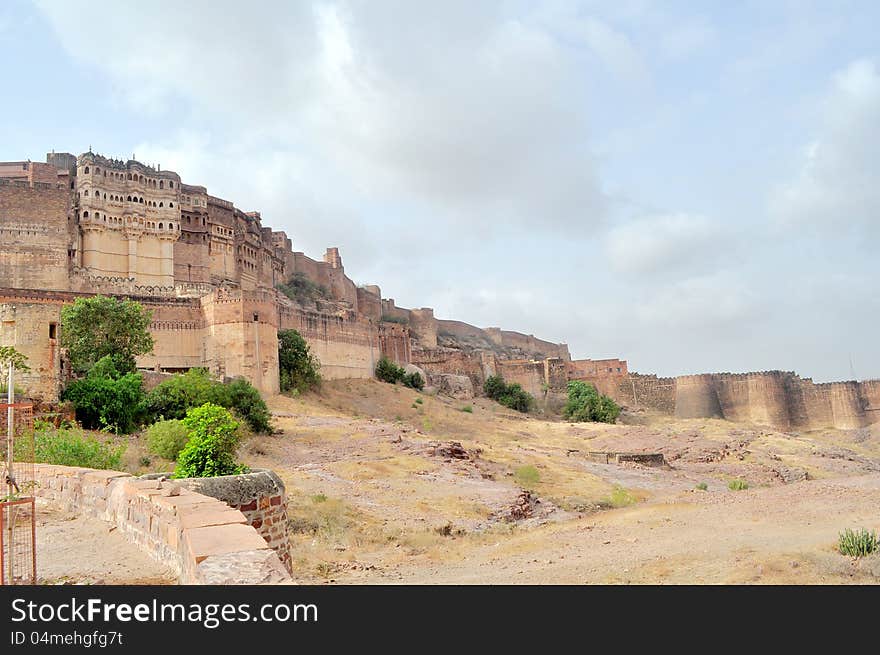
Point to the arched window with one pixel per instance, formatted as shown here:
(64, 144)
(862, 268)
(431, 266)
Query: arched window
(161, 226)
(142, 179)
(85, 214)
(161, 204)
(171, 204)
(171, 226)
(128, 199)
(105, 173)
(105, 196)
(161, 184)
(97, 170)
(86, 193)
(129, 176)
(170, 184)
(86, 171)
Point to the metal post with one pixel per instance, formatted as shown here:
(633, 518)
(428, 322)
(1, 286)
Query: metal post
(10, 430)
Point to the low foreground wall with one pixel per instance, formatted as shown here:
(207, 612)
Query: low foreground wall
(203, 539)
(259, 495)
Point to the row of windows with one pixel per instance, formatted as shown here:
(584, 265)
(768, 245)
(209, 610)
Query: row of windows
(188, 219)
(160, 184)
(113, 198)
(114, 220)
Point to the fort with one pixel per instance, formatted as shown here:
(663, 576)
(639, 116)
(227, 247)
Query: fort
(210, 272)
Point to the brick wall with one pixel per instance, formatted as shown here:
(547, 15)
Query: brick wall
(33, 231)
(260, 496)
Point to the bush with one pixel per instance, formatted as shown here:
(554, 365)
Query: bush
(620, 497)
(468, 409)
(702, 486)
(586, 404)
(494, 387)
(74, 447)
(527, 476)
(167, 438)
(857, 543)
(737, 485)
(297, 367)
(300, 288)
(388, 371)
(242, 397)
(174, 397)
(517, 398)
(105, 399)
(414, 381)
(509, 395)
(210, 450)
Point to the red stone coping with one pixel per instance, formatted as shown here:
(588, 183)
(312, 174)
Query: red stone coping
(201, 538)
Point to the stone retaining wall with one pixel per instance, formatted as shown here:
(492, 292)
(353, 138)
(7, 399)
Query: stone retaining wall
(259, 495)
(201, 538)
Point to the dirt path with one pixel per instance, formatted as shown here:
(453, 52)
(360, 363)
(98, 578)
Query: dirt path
(74, 549)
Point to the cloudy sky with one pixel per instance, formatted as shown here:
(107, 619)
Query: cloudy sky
(691, 186)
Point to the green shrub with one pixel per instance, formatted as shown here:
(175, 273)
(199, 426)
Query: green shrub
(620, 497)
(414, 381)
(210, 450)
(167, 438)
(468, 409)
(527, 476)
(174, 397)
(105, 399)
(297, 367)
(737, 484)
(494, 387)
(419, 401)
(388, 371)
(74, 447)
(509, 395)
(242, 397)
(300, 288)
(586, 404)
(857, 543)
(517, 398)
(702, 486)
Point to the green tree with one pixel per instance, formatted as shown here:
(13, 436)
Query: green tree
(586, 404)
(210, 449)
(92, 328)
(297, 366)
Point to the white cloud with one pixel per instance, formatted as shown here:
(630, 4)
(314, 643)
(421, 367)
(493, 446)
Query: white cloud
(687, 38)
(666, 242)
(836, 188)
(469, 109)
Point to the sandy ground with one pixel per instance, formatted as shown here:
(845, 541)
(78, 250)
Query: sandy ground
(74, 549)
(373, 501)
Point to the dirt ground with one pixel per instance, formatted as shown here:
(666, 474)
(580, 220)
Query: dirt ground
(377, 495)
(73, 549)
